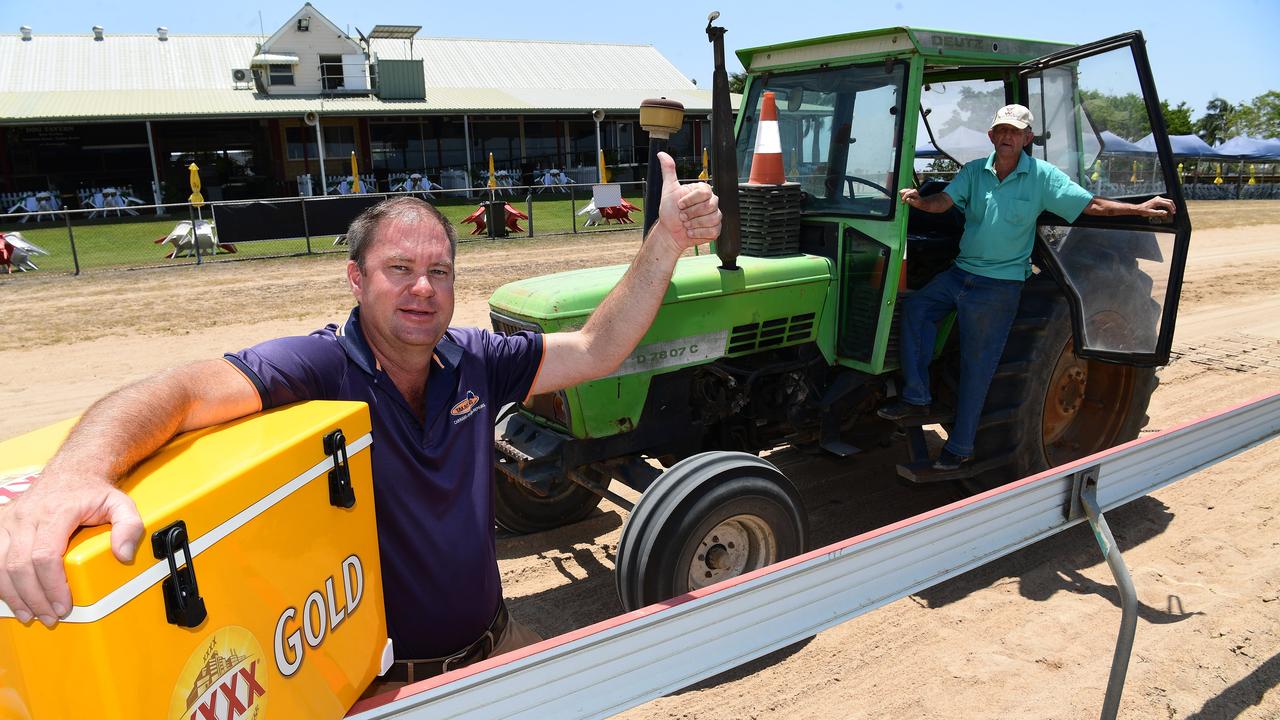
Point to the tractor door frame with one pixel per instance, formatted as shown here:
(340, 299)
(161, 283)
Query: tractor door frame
(1179, 225)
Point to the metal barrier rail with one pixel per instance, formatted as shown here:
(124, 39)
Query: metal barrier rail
(614, 665)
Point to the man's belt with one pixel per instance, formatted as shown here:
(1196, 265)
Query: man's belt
(414, 670)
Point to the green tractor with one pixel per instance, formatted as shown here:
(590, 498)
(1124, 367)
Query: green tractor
(789, 334)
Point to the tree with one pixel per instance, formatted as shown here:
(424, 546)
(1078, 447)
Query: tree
(737, 82)
(974, 109)
(1177, 120)
(1260, 118)
(1124, 115)
(1217, 123)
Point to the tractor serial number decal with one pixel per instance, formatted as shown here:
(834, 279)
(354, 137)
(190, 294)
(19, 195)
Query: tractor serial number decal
(671, 353)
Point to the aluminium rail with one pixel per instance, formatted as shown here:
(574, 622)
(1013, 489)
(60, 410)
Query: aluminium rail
(623, 662)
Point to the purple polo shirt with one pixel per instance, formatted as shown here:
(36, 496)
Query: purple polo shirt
(432, 485)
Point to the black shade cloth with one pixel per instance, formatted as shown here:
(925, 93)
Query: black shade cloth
(280, 219)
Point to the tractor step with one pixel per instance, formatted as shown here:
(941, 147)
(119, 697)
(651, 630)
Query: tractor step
(922, 472)
(945, 417)
(840, 448)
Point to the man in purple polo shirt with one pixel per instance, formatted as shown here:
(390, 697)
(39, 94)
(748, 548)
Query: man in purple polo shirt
(432, 392)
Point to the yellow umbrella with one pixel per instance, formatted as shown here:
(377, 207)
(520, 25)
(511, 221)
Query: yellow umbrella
(603, 175)
(196, 198)
(355, 174)
(493, 177)
(704, 175)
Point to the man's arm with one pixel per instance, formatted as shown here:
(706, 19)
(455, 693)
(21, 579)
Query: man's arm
(1155, 207)
(689, 215)
(77, 487)
(939, 203)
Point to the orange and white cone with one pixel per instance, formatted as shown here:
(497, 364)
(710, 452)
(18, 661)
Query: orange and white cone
(766, 163)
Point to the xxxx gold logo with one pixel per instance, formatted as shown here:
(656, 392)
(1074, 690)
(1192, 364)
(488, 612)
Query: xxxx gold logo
(15, 482)
(224, 679)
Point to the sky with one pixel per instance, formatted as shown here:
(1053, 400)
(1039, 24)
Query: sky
(1198, 50)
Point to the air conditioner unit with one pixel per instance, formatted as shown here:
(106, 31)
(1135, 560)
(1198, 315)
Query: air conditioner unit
(242, 76)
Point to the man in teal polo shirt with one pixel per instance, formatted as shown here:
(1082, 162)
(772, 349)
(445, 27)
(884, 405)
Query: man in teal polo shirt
(1001, 197)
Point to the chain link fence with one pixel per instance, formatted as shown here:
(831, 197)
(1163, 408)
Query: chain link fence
(137, 236)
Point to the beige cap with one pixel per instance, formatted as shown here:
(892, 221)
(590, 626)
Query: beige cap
(1016, 115)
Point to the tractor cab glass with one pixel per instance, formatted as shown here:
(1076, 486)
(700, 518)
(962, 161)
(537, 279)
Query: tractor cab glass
(838, 129)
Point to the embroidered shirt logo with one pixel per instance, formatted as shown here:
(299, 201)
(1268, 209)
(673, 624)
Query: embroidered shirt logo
(467, 407)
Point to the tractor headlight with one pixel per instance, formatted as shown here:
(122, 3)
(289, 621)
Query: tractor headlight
(552, 406)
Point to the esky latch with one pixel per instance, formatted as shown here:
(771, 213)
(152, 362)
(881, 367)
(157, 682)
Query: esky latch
(183, 605)
(341, 494)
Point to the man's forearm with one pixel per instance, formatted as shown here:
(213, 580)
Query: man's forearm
(122, 429)
(1155, 207)
(1103, 207)
(687, 215)
(937, 203)
(628, 310)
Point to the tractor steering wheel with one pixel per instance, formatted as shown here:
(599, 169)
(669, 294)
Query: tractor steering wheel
(851, 179)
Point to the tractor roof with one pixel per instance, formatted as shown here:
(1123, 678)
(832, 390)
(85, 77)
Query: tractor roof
(947, 46)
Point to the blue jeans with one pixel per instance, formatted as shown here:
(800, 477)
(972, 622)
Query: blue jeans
(985, 308)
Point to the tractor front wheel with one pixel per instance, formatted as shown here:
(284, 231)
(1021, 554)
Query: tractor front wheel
(708, 518)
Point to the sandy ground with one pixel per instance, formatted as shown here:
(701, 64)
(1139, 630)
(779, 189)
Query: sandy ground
(1028, 636)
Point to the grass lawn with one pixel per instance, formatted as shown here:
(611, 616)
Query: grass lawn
(130, 241)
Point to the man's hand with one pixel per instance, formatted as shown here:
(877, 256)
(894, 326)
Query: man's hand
(690, 214)
(938, 203)
(34, 531)
(1157, 207)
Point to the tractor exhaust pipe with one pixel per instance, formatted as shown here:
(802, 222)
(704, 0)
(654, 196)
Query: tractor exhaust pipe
(724, 154)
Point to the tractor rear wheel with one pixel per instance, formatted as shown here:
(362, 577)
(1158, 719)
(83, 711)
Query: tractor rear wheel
(710, 517)
(1046, 406)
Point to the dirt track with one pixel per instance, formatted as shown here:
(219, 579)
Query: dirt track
(1028, 636)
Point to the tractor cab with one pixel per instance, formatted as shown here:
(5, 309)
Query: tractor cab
(864, 115)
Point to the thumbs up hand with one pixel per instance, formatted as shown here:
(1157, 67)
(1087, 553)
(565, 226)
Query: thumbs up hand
(688, 214)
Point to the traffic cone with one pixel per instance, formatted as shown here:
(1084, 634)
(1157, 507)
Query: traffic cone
(766, 164)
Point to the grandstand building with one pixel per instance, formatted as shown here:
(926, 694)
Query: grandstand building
(258, 113)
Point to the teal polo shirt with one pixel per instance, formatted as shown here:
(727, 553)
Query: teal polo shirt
(1000, 216)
